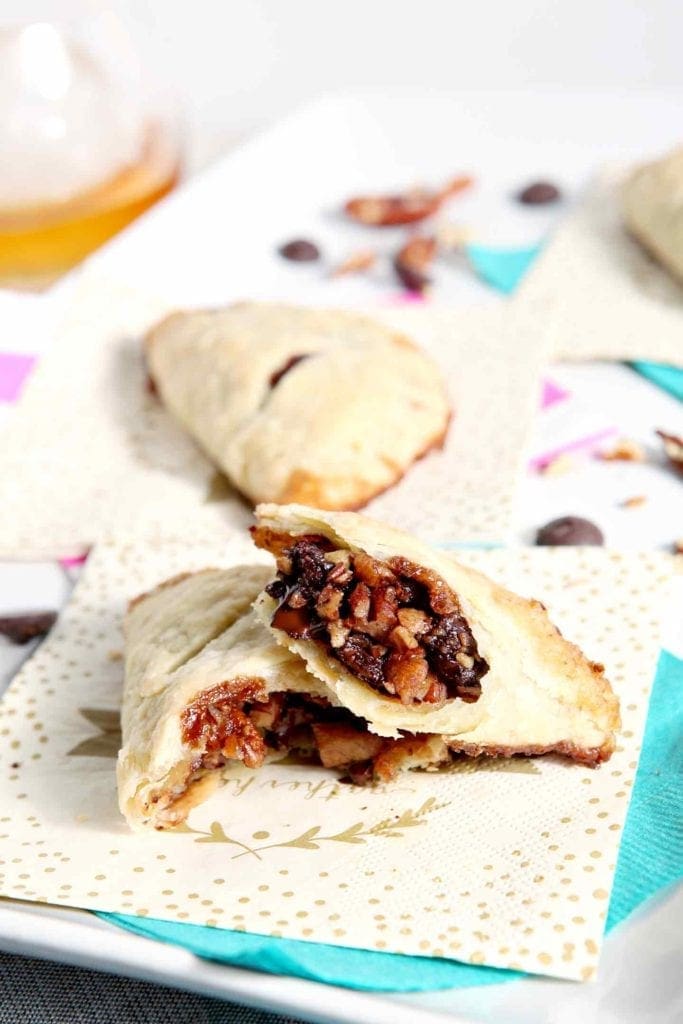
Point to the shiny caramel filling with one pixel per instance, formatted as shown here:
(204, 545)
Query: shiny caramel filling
(394, 624)
(239, 721)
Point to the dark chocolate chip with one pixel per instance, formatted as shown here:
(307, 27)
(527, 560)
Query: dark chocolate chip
(569, 530)
(300, 250)
(22, 628)
(538, 193)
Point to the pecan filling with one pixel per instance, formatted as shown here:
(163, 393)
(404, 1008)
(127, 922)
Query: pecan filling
(394, 624)
(229, 723)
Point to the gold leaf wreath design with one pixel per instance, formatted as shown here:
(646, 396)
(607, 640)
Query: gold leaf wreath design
(359, 832)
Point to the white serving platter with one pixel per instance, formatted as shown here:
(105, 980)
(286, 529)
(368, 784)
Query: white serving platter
(289, 182)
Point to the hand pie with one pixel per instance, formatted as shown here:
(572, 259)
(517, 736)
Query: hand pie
(367, 653)
(195, 657)
(323, 407)
(414, 643)
(652, 201)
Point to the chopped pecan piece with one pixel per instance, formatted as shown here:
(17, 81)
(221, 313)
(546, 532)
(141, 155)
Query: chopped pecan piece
(441, 599)
(635, 502)
(624, 450)
(342, 745)
(395, 625)
(414, 620)
(402, 639)
(329, 602)
(216, 722)
(384, 607)
(356, 263)
(403, 208)
(369, 570)
(413, 261)
(265, 714)
(406, 674)
(673, 448)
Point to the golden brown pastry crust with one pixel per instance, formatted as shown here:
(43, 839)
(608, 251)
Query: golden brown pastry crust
(541, 693)
(333, 430)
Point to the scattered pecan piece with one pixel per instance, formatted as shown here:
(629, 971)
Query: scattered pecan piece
(359, 601)
(561, 464)
(19, 629)
(403, 208)
(678, 546)
(673, 449)
(635, 502)
(624, 451)
(413, 262)
(356, 263)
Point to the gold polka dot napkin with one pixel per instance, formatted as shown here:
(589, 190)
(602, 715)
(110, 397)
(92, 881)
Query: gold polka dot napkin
(508, 863)
(88, 446)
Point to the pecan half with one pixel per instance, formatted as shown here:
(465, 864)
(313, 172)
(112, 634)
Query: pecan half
(673, 449)
(403, 208)
(356, 263)
(413, 262)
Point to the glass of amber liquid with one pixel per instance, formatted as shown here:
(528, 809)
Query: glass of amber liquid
(88, 140)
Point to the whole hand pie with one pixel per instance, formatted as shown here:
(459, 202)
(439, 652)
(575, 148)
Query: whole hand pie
(324, 407)
(652, 201)
(366, 652)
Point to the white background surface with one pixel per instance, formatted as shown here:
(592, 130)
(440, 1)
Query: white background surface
(240, 63)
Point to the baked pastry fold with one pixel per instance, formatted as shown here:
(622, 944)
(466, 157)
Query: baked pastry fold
(419, 644)
(194, 655)
(207, 684)
(320, 406)
(363, 650)
(652, 205)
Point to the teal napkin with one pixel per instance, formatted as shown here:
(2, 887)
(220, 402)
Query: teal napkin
(670, 378)
(650, 858)
(503, 269)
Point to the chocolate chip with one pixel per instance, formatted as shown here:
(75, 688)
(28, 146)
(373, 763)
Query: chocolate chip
(567, 531)
(538, 193)
(300, 250)
(19, 629)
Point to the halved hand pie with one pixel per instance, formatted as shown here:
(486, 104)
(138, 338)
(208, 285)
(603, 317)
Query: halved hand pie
(367, 653)
(207, 684)
(414, 643)
(325, 407)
